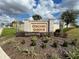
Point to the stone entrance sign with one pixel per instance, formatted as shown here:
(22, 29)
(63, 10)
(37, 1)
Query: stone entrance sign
(39, 27)
(36, 26)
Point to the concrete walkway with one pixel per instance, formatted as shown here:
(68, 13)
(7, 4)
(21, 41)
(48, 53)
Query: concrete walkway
(3, 55)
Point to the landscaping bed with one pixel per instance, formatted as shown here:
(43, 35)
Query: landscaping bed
(34, 47)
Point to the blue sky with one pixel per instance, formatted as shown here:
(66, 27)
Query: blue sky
(27, 15)
(57, 1)
(23, 9)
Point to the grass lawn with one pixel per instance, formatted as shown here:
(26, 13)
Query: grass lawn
(67, 29)
(73, 33)
(8, 32)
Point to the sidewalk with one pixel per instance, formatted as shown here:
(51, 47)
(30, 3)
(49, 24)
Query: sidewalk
(3, 55)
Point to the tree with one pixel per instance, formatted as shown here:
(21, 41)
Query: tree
(68, 17)
(37, 17)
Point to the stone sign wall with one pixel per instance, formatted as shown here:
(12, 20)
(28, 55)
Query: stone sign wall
(39, 27)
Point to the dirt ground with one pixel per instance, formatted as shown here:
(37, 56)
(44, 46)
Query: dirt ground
(43, 48)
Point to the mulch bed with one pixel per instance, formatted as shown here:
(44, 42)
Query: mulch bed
(38, 52)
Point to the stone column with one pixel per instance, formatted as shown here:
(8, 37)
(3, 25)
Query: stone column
(48, 25)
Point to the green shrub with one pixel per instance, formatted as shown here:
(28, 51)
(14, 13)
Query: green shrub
(54, 45)
(49, 56)
(23, 42)
(73, 53)
(74, 42)
(43, 45)
(34, 38)
(57, 33)
(65, 55)
(22, 50)
(33, 43)
(45, 41)
(65, 44)
(53, 56)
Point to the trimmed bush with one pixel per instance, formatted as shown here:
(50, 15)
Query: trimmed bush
(54, 45)
(74, 42)
(49, 56)
(57, 33)
(45, 41)
(23, 42)
(65, 44)
(43, 45)
(33, 43)
(34, 38)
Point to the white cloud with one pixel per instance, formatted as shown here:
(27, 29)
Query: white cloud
(6, 19)
(30, 18)
(76, 6)
(49, 15)
(16, 6)
(46, 8)
(70, 4)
